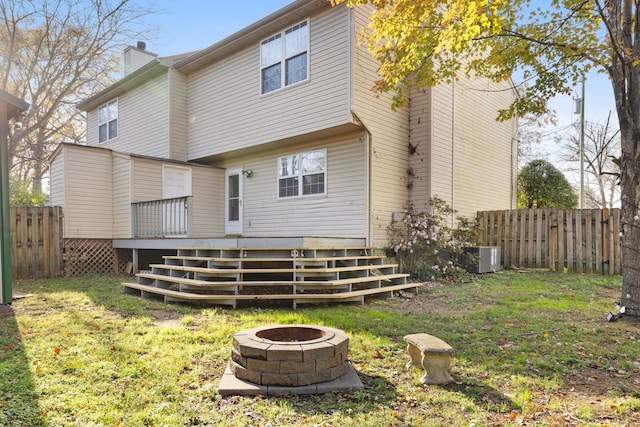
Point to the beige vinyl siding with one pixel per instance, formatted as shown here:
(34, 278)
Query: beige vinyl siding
(472, 158)
(178, 116)
(92, 128)
(389, 131)
(143, 121)
(341, 212)
(88, 200)
(483, 154)
(227, 111)
(122, 226)
(441, 155)
(147, 180)
(57, 180)
(207, 211)
(420, 140)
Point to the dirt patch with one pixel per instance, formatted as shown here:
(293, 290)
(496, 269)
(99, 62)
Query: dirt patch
(165, 318)
(432, 299)
(593, 384)
(6, 311)
(602, 391)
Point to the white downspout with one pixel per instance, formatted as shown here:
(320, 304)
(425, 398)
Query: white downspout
(369, 184)
(453, 144)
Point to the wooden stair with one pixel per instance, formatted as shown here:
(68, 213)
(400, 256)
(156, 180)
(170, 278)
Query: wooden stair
(224, 276)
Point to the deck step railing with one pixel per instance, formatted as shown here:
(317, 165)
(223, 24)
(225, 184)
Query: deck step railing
(161, 218)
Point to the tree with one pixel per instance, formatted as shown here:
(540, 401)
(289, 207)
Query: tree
(601, 148)
(53, 53)
(542, 185)
(21, 194)
(423, 43)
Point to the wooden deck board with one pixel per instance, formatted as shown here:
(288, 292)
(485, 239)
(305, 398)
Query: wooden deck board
(187, 296)
(213, 271)
(307, 284)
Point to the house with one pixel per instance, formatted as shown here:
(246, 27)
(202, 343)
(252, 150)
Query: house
(272, 136)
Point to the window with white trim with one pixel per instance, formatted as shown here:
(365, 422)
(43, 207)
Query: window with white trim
(284, 58)
(302, 174)
(108, 121)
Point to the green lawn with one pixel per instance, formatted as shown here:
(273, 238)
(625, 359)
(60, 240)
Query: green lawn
(530, 349)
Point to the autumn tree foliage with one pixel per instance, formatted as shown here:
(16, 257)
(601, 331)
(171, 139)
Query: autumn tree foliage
(551, 45)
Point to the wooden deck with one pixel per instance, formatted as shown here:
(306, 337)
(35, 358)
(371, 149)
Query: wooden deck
(224, 276)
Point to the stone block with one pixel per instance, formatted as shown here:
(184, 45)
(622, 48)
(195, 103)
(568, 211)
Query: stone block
(320, 350)
(250, 348)
(262, 365)
(232, 386)
(330, 362)
(338, 371)
(289, 380)
(238, 358)
(341, 342)
(289, 367)
(243, 373)
(314, 377)
(286, 352)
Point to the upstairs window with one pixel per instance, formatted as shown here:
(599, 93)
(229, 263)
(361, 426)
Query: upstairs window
(108, 121)
(302, 174)
(284, 58)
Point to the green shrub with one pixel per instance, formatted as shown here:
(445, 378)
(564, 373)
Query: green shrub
(426, 247)
(22, 194)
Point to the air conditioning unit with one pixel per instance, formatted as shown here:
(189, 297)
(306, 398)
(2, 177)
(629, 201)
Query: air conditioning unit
(484, 259)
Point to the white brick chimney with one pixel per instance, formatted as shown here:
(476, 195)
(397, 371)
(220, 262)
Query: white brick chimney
(136, 57)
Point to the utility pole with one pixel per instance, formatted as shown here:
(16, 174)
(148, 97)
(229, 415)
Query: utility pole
(580, 110)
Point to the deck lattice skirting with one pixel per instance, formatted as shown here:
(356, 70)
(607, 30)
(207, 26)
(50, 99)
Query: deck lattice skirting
(302, 276)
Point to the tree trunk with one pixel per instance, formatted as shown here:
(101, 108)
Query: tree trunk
(38, 161)
(630, 221)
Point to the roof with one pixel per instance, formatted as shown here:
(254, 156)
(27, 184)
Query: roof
(193, 61)
(63, 145)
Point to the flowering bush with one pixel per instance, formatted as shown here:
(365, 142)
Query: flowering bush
(426, 247)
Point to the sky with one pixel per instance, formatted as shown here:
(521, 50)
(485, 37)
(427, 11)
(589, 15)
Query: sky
(187, 25)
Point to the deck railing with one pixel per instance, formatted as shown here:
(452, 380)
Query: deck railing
(161, 218)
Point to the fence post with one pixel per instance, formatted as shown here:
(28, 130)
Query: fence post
(552, 240)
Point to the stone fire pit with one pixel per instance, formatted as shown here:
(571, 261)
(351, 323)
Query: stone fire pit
(289, 359)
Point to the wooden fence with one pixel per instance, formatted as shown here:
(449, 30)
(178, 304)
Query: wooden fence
(581, 241)
(37, 245)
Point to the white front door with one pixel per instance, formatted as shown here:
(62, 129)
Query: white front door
(233, 208)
